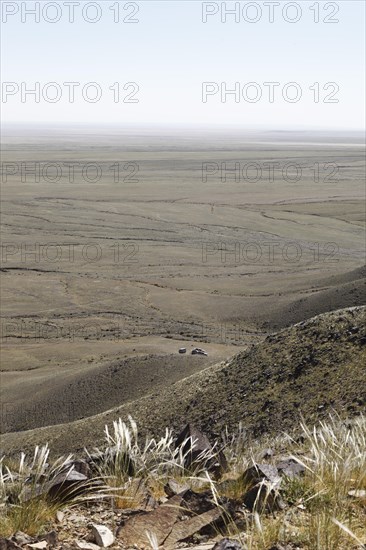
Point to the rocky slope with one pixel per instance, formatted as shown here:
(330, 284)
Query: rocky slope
(309, 369)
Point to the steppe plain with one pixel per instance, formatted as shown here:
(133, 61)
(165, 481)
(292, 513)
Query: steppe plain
(103, 282)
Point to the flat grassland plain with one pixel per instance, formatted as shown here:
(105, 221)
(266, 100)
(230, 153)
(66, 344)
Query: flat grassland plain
(132, 244)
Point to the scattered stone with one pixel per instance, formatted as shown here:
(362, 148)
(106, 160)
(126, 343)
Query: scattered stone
(59, 516)
(22, 538)
(357, 493)
(86, 545)
(160, 522)
(259, 472)
(263, 482)
(227, 544)
(185, 529)
(76, 519)
(102, 535)
(197, 448)
(80, 466)
(174, 488)
(290, 468)
(7, 544)
(141, 495)
(67, 484)
(50, 538)
(263, 498)
(38, 545)
(198, 503)
(28, 493)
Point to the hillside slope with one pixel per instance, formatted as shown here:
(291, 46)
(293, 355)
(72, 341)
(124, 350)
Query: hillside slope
(309, 369)
(337, 292)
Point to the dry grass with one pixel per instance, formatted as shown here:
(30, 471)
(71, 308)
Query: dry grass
(24, 505)
(320, 513)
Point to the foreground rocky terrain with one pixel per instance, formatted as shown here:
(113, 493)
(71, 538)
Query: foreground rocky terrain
(185, 492)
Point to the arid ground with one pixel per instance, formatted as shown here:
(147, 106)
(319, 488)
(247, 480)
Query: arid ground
(146, 242)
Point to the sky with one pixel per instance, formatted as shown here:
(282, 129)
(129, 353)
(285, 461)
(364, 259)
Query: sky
(171, 67)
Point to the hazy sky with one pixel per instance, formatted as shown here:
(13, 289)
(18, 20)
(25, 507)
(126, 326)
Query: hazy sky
(170, 52)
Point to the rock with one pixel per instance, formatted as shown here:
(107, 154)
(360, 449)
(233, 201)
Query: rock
(174, 488)
(38, 545)
(262, 482)
(263, 498)
(196, 447)
(290, 468)
(80, 466)
(7, 544)
(59, 516)
(198, 503)
(50, 538)
(227, 544)
(86, 545)
(193, 443)
(357, 493)
(67, 485)
(102, 535)
(76, 519)
(185, 529)
(160, 522)
(260, 472)
(22, 538)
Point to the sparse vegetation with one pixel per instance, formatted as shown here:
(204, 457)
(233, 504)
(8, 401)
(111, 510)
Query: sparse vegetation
(323, 510)
(23, 492)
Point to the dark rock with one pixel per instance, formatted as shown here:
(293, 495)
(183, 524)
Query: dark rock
(22, 538)
(227, 544)
(263, 498)
(262, 482)
(196, 447)
(198, 503)
(259, 472)
(50, 538)
(68, 485)
(80, 466)
(7, 544)
(174, 488)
